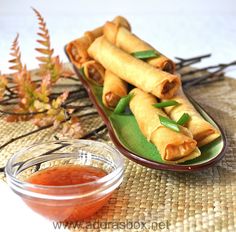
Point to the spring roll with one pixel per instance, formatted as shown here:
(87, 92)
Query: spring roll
(203, 132)
(113, 90)
(94, 72)
(173, 146)
(134, 71)
(77, 49)
(130, 43)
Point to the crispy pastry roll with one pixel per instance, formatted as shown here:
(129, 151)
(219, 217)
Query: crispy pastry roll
(172, 145)
(203, 132)
(134, 71)
(130, 43)
(77, 49)
(113, 90)
(94, 72)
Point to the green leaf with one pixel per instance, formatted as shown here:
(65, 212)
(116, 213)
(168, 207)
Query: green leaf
(145, 54)
(169, 123)
(122, 104)
(183, 119)
(126, 130)
(166, 104)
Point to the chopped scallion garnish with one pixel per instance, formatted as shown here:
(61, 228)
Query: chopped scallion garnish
(145, 54)
(122, 104)
(169, 123)
(166, 104)
(183, 119)
(81, 72)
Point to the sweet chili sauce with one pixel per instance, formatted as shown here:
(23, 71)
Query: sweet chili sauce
(67, 209)
(66, 175)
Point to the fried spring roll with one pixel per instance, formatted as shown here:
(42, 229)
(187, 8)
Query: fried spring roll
(113, 90)
(130, 43)
(203, 132)
(94, 72)
(173, 146)
(77, 49)
(134, 71)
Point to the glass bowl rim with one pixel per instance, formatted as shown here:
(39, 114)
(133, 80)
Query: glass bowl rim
(110, 176)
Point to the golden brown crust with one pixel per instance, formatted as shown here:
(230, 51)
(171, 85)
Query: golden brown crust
(111, 99)
(114, 89)
(94, 72)
(77, 49)
(203, 132)
(130, 43)
(172, 145)
(134, 71)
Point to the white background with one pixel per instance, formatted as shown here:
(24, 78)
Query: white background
(181, 28)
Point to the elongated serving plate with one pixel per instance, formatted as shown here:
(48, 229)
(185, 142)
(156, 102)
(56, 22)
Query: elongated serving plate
(125, 134)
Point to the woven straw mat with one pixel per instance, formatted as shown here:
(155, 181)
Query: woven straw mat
(163, 200)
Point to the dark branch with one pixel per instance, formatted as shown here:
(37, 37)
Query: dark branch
(10, 91)
(72, 78)
(187, 62)
(87, 114)
(41, 128)
(203, 79)
(93, 132)
(25, 135)
(193, 58)
(78, 108)
(23, 113)
(219, 66)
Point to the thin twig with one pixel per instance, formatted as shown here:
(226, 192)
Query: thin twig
(55, 137)
(41, 128)
(23, 113)
(187, 62)
(193, 58)
(14, 86)
(75, 98)
(212, 80)
(202, 79)
(78, 107)
(68, 85)
(25, 135)
(48, 126)
(71, 78)
(37, 166)
(221, 66)
(93, 132)
(88, 114)
(76, 91)
(10, 91)
(7, 101)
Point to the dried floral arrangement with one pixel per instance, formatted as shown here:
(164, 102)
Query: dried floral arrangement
(24, 98)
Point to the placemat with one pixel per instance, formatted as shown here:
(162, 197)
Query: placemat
(154, 200)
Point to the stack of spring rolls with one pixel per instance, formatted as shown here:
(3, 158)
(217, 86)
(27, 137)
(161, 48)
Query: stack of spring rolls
(106, 56)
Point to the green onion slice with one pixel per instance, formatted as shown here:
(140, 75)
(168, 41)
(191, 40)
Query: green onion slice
(145, 54)
(81, 72)
(183, 119)
(169, 123)
(166, 104)
(122, 104)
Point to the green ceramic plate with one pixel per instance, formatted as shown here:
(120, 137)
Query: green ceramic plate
(128, 139)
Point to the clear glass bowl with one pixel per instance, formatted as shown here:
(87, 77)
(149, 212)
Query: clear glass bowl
(68, 202)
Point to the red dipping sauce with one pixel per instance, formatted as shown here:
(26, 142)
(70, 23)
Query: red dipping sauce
(68, 180)
(66, 175)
